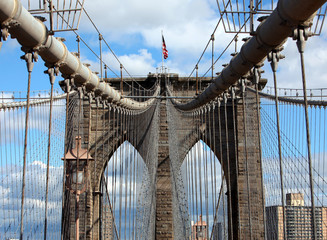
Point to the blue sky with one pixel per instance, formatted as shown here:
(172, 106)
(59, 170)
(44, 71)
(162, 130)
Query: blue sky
(133, 31)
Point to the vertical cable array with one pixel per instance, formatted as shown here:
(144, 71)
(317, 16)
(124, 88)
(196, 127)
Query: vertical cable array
(128, 210)
(11, 165)
(199, 186)
(296, 171)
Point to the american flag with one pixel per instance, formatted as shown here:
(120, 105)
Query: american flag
(164, 49)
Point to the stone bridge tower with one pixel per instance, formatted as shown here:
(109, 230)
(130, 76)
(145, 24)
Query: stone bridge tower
(241, 149)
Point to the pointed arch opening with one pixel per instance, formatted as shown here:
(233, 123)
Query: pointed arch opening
(126, 188)
(205, 193)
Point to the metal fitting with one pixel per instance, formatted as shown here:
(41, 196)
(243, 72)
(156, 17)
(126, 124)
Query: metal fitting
(232, 92)
(52, 72)
(218, 102)
(243, 85)
(30, 57)
(301, 35)
(81, 91)
(4, 34)
(97, 101)
(256, 74)
(90, 96)
(273, 57)
(225, 98)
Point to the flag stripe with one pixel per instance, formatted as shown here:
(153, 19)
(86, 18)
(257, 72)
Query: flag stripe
(164, 49)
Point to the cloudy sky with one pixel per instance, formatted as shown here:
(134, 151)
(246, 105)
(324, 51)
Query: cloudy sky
(133, 31)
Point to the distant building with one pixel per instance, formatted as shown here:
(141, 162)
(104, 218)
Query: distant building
(107, 223)
(199, 230)
(298, 220)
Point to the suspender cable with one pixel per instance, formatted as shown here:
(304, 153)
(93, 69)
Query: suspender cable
(195, 167)
(51, 72)
(192, 173)
(131, 172)
(274, 57)
(114, 171)
(221, 161)
(212, 157)
(29, 57)
(214, 154)
(301, 34)
(126, 174)
(120, 171)
(200, 164)
(206, 183)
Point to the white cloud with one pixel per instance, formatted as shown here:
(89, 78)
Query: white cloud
(34, 204)
(137, 26)
(133, 16)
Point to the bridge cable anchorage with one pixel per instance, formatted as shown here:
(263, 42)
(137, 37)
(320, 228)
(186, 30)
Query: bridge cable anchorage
(273, 57)
(245, 132)
(256, 79)
(29, 57)
(301, 35)
(52, 72)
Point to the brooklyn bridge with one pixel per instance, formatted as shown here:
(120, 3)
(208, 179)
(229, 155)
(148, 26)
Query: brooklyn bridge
(218, 154)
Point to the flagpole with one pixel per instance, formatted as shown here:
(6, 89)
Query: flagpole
(162, 57)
